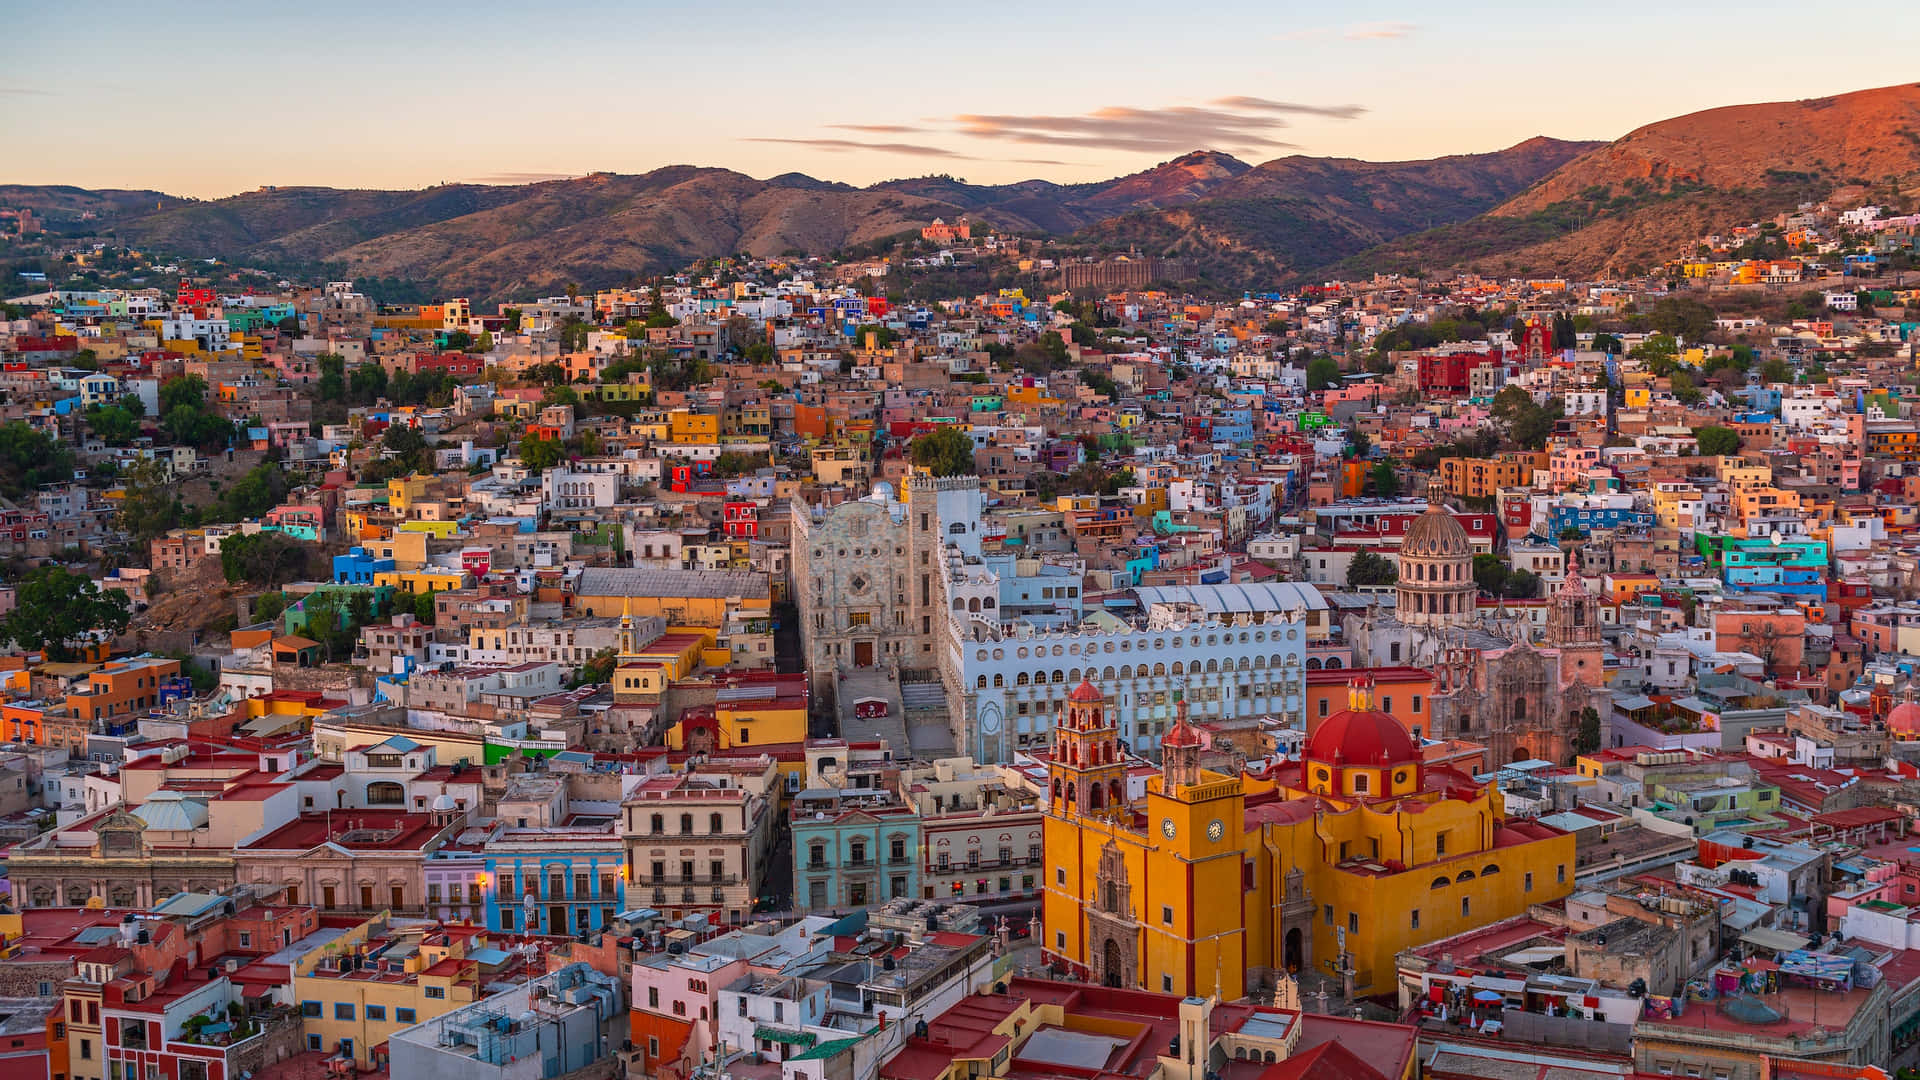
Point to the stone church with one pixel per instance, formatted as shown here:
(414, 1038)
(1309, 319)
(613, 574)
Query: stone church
(1494, 683)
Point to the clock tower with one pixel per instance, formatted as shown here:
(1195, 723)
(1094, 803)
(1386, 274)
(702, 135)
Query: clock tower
(1197, 818)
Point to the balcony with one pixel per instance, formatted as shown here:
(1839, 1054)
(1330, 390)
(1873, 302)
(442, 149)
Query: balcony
(679, 881)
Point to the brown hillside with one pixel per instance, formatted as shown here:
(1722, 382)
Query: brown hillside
(1868, 135)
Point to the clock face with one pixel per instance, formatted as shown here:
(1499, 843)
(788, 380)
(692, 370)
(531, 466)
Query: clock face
(1167, 827)
(1215, 830)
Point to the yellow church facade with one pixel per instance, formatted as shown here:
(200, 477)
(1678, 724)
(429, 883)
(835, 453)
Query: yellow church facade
(1218, 884)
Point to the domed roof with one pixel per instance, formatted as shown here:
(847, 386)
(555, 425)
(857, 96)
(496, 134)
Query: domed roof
(444, 801)
(1436, 533)
(1085, 693)
(1904, 717)
(1181, 734)
(1361, 737)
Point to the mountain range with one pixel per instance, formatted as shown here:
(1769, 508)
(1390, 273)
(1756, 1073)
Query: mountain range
(1543, 205)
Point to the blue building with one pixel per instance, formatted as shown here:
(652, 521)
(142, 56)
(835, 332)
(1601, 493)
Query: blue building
(546, 884)
(358, 566)
(853, 848)
(1588, 518)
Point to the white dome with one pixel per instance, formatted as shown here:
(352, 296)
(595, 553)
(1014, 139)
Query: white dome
(444, 801)
(882, 492)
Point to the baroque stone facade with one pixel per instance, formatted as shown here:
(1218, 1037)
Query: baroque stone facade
(120, 868)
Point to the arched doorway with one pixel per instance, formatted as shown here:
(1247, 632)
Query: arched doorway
(1113, 963)
(1294, 957)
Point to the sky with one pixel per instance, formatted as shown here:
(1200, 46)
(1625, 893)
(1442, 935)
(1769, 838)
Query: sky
(212, 99)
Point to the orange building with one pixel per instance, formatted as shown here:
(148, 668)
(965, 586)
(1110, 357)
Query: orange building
(1401, 692)
(122, 686)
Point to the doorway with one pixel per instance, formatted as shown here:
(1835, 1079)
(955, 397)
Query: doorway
(556, 919)
(863, 654)
(1293, 956)
(1112, 963)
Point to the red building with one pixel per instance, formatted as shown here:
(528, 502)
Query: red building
(458, 364)
(1451, 371)
(742, 520)
(189, 297)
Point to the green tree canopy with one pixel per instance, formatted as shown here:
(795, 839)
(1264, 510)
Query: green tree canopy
(541, 454)
(266, 559)
(944, 451)
(54, 608)
(29, 457)
(1682, 317)
(1527, 423)
(1386, 481)
(1368, 568)
(1323, 373)
(1715, 441)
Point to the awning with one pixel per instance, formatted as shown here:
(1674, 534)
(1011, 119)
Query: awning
(1504, 986)
(1766, 937)
(791, 1038)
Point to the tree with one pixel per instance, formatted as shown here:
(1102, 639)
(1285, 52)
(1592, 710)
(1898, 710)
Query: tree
(1386, 482)
(1323, 373)
(182, 390)
(333, 379)
(512, 315)
(1490, 574)
(1776, 370)
(53, 608)
(541, 454)
(1606, 343)
(1685, 390)
(115, 425)
(1587, 740)
(1682, 317)
(1527, 423)
(368, 383)
(484, 343)
(267, 559)
(597, 670)
(1716, 441)
(29, 457)
(1659, 352)
(423, 607)
(149, 503)
(459, 341)
(1563, 333)
(1370, 569)
(268, 606)
(944, 451)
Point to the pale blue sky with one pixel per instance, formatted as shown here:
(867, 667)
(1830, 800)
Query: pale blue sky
(209, 99)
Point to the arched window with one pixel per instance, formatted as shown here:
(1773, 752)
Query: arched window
(973, 604)
(1213, 666)
(959, 603)
(998, 680)
(386, 793)
(981, 682)
(1333, 662)
(659, 824)
(714, 825)
(1020, 679)
(686, 824)
(1489, 870)
(1059, 676)
(1465, 875)
(1313, 663)
(1440, 883)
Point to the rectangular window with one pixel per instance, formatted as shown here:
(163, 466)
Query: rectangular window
(1353, 922)
(1529, 881)
(1414, 918)
(403, 1016)
(1440, 843)
(1060, 875)
(343, 1010)
(377, 1012)
(653, 997)
(1561, 877)
(1326, 914)
(438, 993)
(310, 1008)
(1166, 915)
(1166, 984)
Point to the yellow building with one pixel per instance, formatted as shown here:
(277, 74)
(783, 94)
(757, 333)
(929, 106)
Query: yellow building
(373, 981)
(404, 491)
(690, 427)
(1351, 855)
(440, 529)
(682, 597)
(422, 580)
(1482, 478)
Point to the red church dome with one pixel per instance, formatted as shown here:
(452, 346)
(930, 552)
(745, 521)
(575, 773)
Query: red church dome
(1362, 737)
(1086, 693)
(1904, 717)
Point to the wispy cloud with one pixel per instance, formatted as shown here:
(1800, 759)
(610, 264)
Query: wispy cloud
(840, 146)
(518, 177)
(23, 91)
(1256, 104)
(1175, 129)
(1240, 123)
(1367, 31)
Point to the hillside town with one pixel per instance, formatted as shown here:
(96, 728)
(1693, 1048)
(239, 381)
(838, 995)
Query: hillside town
(798, 669)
